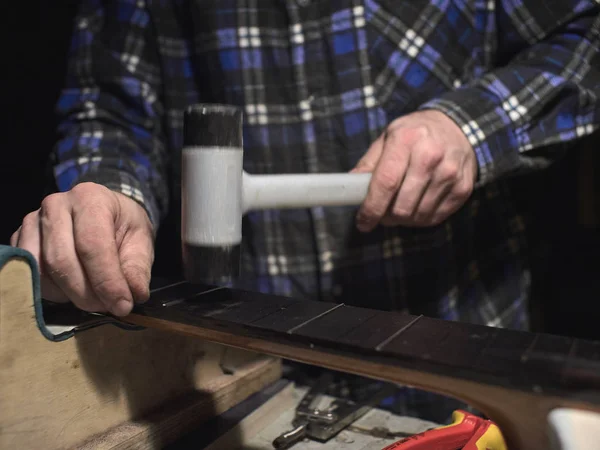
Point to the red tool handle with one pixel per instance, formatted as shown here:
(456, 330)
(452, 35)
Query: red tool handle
(450, 437)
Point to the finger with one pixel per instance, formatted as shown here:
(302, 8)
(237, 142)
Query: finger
(27, 238)
(424, 162)
(387, 178)
(458, 190)
(451, 201)
(448, 205)
(409, 196)
(457, 196)
(369, 160)
(445, 176)
(137, 255)
(94, 233)
(14, 239)
(60, 257)
(428, 210)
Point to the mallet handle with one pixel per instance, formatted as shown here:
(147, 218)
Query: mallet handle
(303, 190)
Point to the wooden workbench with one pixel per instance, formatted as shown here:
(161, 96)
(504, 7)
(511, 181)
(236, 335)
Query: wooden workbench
(107, 388)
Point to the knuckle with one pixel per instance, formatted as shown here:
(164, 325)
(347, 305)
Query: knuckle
(88, 246)
(463, 190)
(57, 263)
(449, 171)
(419, 131)
(51, 203)
(388, 181)
(431, 157)
(85, 189)
(407, 135)
(92, 196)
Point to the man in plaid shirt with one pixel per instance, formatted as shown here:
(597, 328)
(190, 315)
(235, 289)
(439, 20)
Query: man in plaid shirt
(445, 101)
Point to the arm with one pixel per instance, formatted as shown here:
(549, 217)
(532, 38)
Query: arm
(547, 93)
(110, 111)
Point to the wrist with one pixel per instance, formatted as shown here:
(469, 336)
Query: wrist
(126, 185)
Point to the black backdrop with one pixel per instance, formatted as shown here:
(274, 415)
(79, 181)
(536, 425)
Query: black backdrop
(33, 67)
(566, 281)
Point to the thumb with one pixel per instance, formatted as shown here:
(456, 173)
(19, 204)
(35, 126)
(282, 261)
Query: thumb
(136, 254)
(370, 159)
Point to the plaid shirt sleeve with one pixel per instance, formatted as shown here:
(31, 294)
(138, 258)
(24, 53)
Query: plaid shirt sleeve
(110, 113)
(545, 92)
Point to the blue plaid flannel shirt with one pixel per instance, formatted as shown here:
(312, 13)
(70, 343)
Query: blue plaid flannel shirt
(318, 82)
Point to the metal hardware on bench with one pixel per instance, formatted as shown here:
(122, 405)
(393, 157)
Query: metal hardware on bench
(322, 424)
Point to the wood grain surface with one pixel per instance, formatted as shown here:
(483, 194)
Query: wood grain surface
(122, 389)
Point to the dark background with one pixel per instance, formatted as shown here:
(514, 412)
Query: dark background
(566, 278)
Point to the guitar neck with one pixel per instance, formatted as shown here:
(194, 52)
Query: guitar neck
(496, 370)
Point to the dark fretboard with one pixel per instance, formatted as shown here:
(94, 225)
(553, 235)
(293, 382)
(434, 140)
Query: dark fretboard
(514, 359)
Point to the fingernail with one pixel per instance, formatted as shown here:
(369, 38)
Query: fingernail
(121, 308)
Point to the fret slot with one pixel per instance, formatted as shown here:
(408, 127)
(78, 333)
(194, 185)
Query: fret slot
(503, 355)
(336, 323)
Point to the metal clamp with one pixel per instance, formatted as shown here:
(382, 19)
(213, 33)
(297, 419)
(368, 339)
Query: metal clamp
(322, 424)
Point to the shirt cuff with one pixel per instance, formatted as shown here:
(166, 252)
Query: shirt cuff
(126, 184)
(489, 127)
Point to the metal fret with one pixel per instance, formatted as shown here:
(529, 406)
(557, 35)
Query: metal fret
(386, 341)
(312, 319)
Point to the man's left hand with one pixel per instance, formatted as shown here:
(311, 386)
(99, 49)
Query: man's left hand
(424, 169)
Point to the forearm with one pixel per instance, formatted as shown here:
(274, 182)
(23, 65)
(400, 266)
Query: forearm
(110, 113)
(547, 94)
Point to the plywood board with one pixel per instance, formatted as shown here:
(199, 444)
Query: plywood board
(60, 394)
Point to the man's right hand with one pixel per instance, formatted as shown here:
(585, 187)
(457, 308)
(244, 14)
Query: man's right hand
(94, 247)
